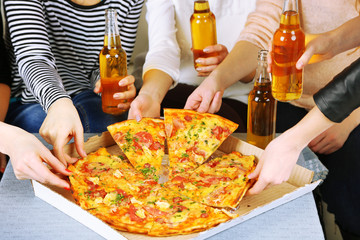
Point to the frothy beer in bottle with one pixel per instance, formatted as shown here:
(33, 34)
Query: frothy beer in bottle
(288, 46)
(203, 30)
(113, 65)
(261, 106)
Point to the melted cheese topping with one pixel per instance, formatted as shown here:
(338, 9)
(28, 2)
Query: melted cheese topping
(140, 213)
(179, 217)
(109, 198)
(118, 174)
(162, 205)
(134, 201)
(94, 180)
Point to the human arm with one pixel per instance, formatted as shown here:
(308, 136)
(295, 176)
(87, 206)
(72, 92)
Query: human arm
(280, 156)
(147, 103)
(161, 68)
(35, 60)
(337, 101)
(241, 62)
(28, 156)
(337, 107)
(61, 124)
(326, 45)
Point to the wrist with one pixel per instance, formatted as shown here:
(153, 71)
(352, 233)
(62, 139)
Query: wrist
(216, 80)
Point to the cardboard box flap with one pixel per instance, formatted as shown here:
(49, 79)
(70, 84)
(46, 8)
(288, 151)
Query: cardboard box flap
(92, 144)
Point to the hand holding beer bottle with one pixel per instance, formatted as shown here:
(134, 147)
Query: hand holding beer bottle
(204, 40)
(117, 89)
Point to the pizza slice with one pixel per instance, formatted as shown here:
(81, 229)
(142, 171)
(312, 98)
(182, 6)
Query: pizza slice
(100, 173)
(221, 182)
(193, 137)
(127, 212)
(142, 142)
(181, 215)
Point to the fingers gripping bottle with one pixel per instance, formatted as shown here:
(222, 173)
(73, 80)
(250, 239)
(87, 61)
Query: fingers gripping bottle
(261, 106)
(113, 65)
(288, 46)
(203, 30)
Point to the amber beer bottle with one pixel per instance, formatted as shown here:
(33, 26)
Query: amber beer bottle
(113, 65)
(261, 106)
(203, 30)
(288, 46)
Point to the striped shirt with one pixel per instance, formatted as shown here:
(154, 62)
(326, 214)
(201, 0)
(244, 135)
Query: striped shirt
(56, 45)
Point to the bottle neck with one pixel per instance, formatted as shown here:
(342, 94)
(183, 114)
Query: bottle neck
(112, 37)
(290, 5)
(290, 14)
(201, 6)
(262, 76)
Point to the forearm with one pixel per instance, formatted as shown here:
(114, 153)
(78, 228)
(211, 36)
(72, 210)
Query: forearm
(346, 36)
(156, 83)
(8, 137)
(35, 60)
(313, 124)
(240, 64)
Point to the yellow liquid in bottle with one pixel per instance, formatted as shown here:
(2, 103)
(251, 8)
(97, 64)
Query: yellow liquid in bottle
(261, 115)
(113, 68)
(288, 46)
(203, 30)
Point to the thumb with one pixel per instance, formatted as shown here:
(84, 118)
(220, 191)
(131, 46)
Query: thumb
(305, 58)
(256, 172)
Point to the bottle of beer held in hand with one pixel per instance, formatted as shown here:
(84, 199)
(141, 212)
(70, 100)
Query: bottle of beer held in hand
(113, 65)
(203, 30)
(261, 106)
(288, 46)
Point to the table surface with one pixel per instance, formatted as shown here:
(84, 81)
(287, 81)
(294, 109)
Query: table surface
(24, 216)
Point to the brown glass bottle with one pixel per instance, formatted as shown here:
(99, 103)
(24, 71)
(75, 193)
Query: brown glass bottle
(113, 65)
(203, 30)
(261, 106)
(288, 46)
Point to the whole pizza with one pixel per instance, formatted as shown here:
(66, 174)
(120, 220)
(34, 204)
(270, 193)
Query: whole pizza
(125, 192)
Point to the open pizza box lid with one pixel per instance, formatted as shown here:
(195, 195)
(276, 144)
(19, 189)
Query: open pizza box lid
(299, 183)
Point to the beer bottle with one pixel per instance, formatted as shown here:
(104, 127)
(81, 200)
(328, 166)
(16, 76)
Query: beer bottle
(203, 30)
(261, 106)
(113, 65)
(288, 46)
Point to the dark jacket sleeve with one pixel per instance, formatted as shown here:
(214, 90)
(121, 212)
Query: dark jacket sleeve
(341, 96)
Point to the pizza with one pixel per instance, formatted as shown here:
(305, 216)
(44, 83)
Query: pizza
(124, 190)
(142, 142)
(112, 190)
(193, 137)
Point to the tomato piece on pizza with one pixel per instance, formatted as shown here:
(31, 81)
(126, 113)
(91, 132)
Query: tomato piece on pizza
(192, 137)
(142, 142)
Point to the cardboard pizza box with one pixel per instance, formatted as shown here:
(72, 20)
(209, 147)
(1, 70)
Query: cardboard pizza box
(299, 183)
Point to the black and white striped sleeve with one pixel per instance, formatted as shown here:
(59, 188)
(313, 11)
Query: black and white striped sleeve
(34, 58)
